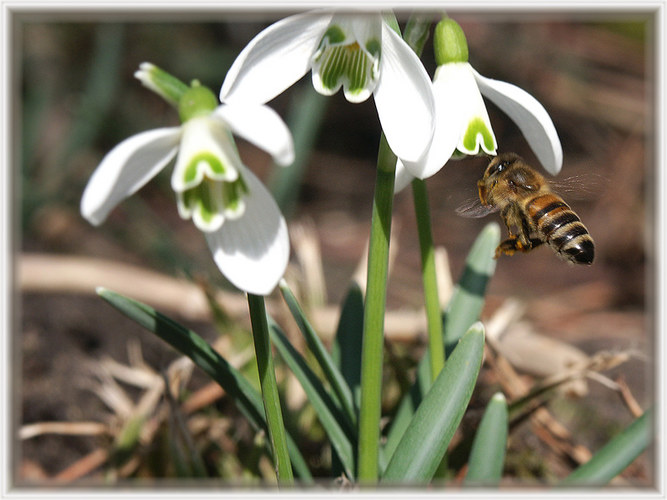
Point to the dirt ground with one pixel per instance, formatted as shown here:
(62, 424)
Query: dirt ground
(592, 73)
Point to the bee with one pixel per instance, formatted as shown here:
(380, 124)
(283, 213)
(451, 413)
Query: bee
(527, 203)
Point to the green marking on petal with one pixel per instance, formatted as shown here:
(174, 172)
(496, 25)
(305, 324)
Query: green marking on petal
(333, 35)
(233, 194)
(374, 48)
(203, 160)
(478, 133)
(346, 65)
(211, 201)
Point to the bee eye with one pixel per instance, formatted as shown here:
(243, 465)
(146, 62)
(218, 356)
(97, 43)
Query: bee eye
(498, 168)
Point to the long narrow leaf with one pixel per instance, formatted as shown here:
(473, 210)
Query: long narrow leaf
(425, 441)
(329, 414)
(346, 350)
(615, 456)
(464, 309)
(326, 362)
(487, 456)
(245, 396)
(467, 300)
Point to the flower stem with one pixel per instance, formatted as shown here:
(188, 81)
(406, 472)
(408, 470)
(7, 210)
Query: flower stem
(373, 331)
(436, 345)
(269, 386)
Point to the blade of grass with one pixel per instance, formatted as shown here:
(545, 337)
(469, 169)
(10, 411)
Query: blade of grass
(329, 414)
(334, 377)
(269, 386)
(463, 310)
(426, 438)
(244, 395)
(614, 457)
(487, 456)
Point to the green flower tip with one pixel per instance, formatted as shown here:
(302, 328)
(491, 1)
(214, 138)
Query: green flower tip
(449, 42)
(196, 101)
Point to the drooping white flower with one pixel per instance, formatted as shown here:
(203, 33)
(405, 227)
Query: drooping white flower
(243, 226)
(462, 123)
(359, 52)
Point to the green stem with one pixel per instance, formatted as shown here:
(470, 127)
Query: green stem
(436, 345)
(373, 331)
(269, 386)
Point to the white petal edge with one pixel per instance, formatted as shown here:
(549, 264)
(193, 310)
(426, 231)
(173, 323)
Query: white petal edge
(127, 168)
(275, 59)
(404, 98)
(252, 252)
(261, 126)
(403, 177)
(452, 94)
(531, 118)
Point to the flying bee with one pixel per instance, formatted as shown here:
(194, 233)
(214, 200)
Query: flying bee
(527, 203)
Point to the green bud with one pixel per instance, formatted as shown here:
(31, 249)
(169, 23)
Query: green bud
(196, 101)
(449, 42)
(171, 89)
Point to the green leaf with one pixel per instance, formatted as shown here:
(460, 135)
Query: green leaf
(245, 396)
(426, 438)
(487, 456)
(346, 350)
(467, 300)
(615, 456)
(329, 414)
(463, 310)
(342, 391)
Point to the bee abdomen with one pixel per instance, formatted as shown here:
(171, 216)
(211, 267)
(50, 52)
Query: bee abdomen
(562, 229)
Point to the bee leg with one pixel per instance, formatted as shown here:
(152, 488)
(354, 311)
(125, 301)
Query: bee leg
(508, 247)
(516, 244)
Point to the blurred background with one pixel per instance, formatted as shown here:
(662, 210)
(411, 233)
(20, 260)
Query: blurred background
(594, 73)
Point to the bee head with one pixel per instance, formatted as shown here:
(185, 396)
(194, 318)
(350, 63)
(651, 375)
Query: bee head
(500, 163)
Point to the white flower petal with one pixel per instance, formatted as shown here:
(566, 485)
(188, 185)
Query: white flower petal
(474, 113)
(404, 98)
(261, 126)
(275, 59)
(367, 27)
(252, 251)
(531, 118)
(126, 168)
(403, 177)
(450, 94)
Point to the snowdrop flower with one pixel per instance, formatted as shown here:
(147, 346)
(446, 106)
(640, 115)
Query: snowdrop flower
(359, 52)
(241, 222)
(462, 123)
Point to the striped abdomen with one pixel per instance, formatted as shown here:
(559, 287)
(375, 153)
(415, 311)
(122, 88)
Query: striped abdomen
(561, 228)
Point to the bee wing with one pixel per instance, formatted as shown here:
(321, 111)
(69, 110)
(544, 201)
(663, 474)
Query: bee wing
(474, 209)
(579, 187)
